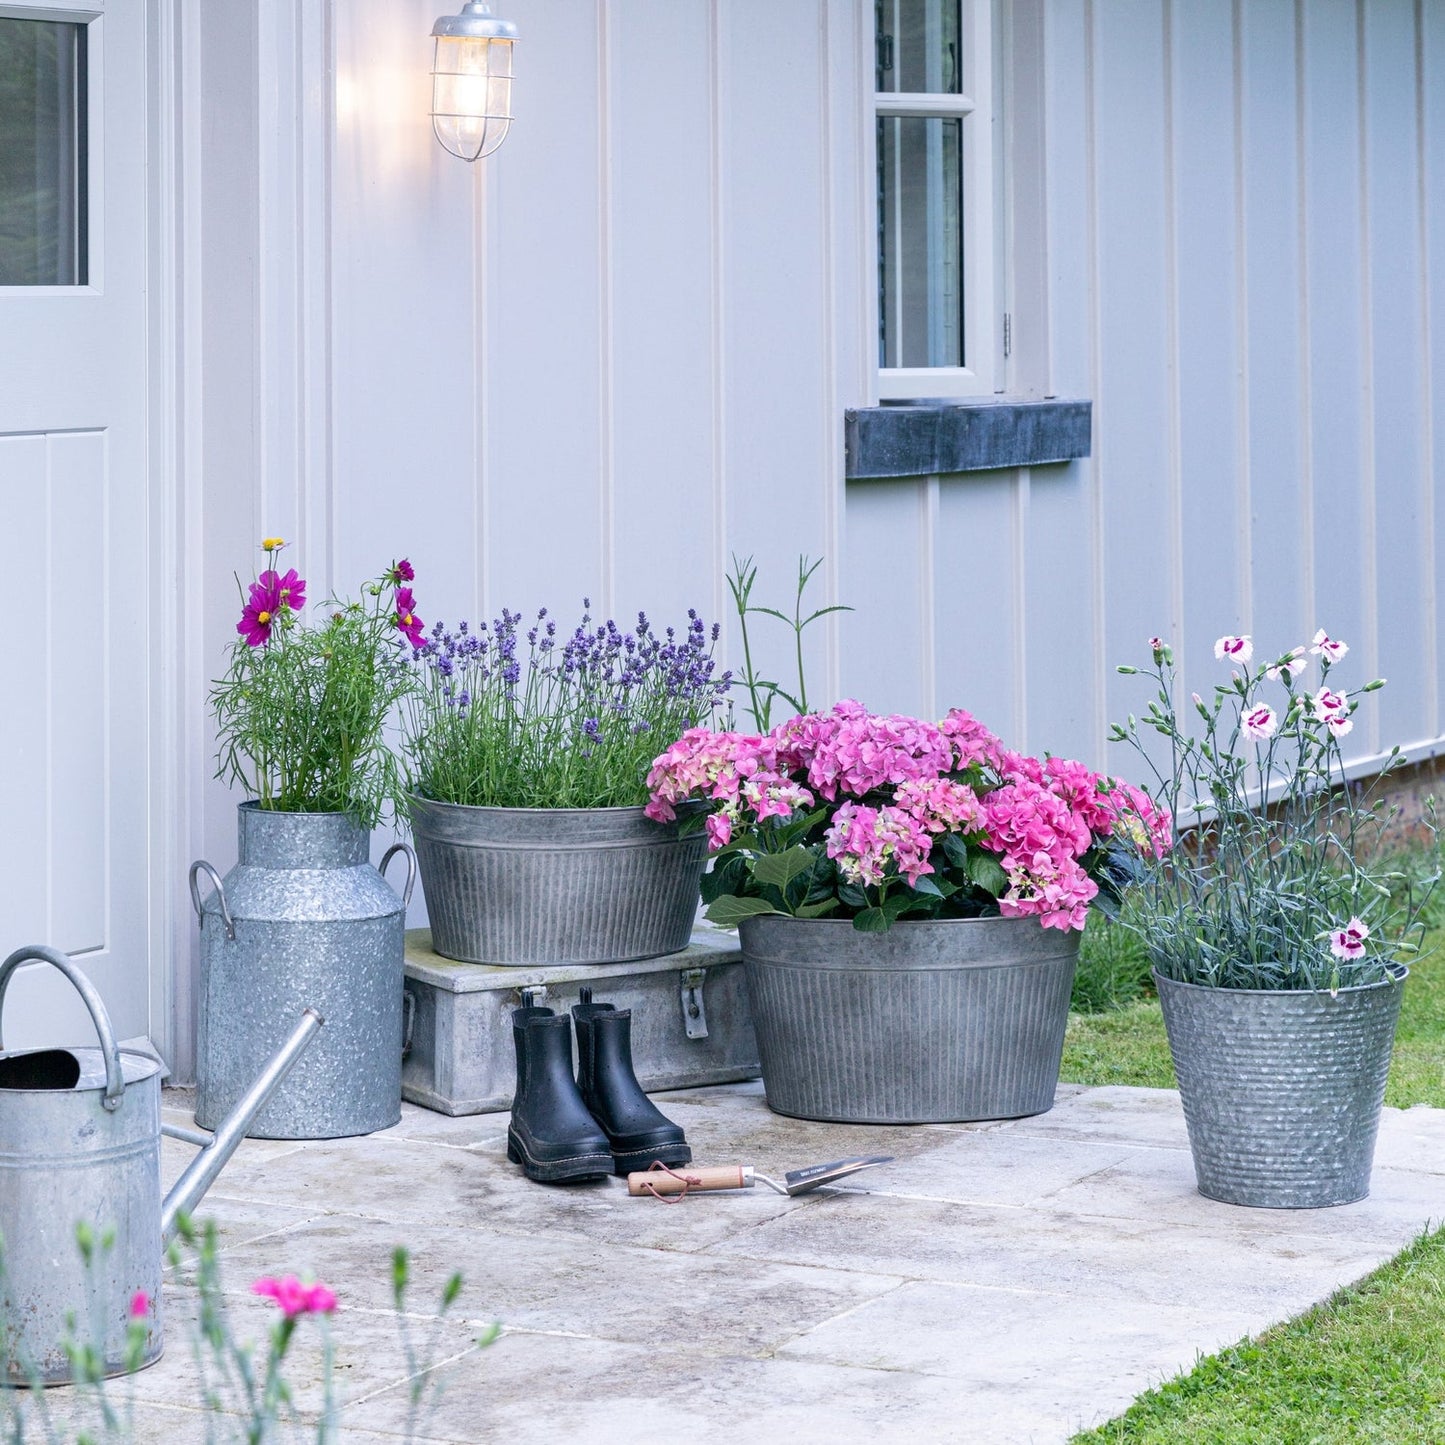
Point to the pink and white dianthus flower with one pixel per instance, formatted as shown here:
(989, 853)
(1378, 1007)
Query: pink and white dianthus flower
(1323, 645)
(1260, 723)
(1234, 649)
(1288, 667)
(1349, 942)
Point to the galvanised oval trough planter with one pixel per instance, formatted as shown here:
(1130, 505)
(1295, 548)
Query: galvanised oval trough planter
(1282, 1088)
(555, 885)
(936, 1021)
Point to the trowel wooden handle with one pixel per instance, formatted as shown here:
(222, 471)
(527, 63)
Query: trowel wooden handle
(689, 1178)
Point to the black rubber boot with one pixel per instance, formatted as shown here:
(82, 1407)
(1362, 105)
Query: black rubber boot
(552, 1135)
(636, 1128)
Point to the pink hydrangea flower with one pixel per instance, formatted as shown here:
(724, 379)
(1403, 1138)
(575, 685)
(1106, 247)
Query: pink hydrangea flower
(1260, 723)
(1234, 649)
(294, 1297)
(1349, 942)
(1327, 647)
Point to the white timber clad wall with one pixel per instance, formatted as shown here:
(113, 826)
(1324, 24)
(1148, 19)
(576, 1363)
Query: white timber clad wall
(619, 351)
(1245, 238)
(609, 357)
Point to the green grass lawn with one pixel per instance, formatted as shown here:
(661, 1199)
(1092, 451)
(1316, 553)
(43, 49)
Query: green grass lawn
(1366, 1365)
(1126, 1044)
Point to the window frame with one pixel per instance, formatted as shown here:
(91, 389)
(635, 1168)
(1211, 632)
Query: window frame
(974, 106)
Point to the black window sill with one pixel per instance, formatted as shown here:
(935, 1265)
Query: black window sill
(940, 436)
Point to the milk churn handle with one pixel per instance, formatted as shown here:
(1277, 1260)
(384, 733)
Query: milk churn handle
(410, 868)
(201, 866)
(114, 1079)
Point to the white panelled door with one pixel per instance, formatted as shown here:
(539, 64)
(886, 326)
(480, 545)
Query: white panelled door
(80, 600)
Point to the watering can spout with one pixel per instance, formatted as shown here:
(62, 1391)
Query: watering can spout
(201, 1172)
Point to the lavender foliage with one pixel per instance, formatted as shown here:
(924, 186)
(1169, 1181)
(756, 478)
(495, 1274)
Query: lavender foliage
(507, 716)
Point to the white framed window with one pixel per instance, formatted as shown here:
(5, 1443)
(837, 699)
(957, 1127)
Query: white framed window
(44, 146)
(938, 316)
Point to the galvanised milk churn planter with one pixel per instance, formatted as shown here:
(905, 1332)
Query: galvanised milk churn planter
(555, 885)
(303, 920)
(80, 1137)
(1282, 1088)
(935, 1021)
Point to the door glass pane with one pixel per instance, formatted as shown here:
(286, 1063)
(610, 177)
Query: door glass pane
(920, 240)
(918, 46)
(42, 153)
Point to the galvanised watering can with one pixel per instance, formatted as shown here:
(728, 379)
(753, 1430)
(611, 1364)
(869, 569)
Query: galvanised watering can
(80, 1140)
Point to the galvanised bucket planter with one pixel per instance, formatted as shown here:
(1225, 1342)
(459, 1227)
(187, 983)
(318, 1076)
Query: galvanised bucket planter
(302, 921)
(1281, 1088)
(937, 1021)
(555, 885)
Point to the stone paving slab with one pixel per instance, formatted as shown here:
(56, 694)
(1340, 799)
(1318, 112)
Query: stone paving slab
(1006, 1282)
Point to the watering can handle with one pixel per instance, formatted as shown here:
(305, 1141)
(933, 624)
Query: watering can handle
(201, 866)
(410, 868)
(114, 1079)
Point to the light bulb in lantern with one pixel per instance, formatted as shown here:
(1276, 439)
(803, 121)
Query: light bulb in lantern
(471, 109)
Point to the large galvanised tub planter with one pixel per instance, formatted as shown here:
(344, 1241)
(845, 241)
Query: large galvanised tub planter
(935, 1021)
(531, 886)
(1282, 1088)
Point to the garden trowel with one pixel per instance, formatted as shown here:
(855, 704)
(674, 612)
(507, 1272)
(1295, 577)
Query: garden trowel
(670, 1185)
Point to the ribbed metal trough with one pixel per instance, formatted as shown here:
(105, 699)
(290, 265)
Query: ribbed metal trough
(528, 886)
(931, 1022)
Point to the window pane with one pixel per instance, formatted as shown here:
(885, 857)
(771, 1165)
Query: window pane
(918, 46)
(42, 153)
(920, 241)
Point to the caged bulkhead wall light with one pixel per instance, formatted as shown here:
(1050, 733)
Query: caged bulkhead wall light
(471, 108)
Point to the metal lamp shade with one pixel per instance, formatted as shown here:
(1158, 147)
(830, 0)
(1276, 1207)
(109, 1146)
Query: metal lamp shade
(472, 81)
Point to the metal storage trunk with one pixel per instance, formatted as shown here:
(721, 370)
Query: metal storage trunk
(690, 1019)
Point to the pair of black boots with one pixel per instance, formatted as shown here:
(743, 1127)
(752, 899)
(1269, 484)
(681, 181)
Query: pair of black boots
(564, 1130)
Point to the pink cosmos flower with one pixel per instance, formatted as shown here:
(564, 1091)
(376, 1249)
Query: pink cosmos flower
(260, 613)
(1234, 649)
(140, 1305)
(403, 572)
(406, 619)
(1349, 942)
(290, 589)
(1260, 723)
(1288, 667)
(296, 1298)
(1325, 646)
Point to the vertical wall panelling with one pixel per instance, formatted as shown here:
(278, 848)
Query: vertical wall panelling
(401, 297)
(546, 441)
(1131, 155)
(1058, 611)
(1211, 584)
(1394, 301)
(1273, 338)
(976, 600)
(1430, 168)
(658, 454)
(886, 654)
(1339, 366)
(775, 322)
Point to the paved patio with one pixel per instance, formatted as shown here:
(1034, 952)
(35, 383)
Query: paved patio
(1000, 1282)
